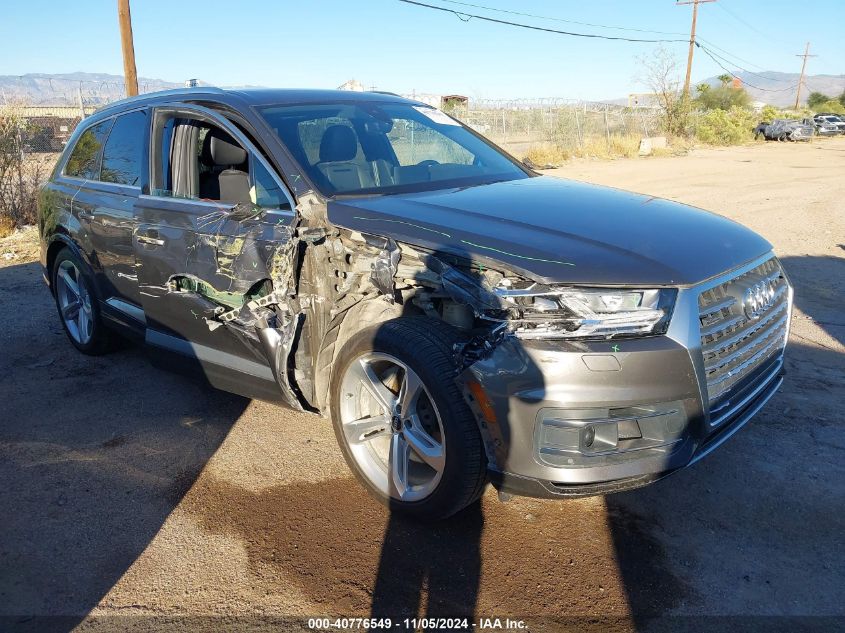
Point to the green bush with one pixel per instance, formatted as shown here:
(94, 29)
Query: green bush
(829, 106)
(722, 97)
(770, 113)
(720, 127)
(816, 98)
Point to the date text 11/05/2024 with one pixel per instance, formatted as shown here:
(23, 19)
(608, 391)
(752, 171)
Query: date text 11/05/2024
(416, 624)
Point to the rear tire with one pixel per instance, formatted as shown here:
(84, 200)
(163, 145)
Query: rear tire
(78, 307)
(401, 422)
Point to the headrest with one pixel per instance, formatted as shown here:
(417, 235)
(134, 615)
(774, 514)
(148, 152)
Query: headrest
(339, 143)
(221, 149)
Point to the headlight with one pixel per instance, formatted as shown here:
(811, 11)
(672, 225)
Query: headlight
(545, 312)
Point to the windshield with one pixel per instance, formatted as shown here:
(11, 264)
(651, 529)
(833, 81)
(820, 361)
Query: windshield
(382, 148)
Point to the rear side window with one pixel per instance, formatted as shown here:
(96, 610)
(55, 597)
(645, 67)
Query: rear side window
(124, 151)
(84, 161)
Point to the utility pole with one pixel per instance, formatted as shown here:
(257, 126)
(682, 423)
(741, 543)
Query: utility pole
(81, 102)
(803, 67)
(694, 4)
(129, 72)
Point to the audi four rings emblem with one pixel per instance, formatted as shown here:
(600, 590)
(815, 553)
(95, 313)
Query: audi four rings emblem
(758, 298)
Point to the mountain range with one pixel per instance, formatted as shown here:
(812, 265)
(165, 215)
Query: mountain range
(64, 89)
(99, 88)
(778, 89)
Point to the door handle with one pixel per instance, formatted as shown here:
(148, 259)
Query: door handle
(153, 241)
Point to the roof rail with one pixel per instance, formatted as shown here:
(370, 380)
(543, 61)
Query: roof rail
(175, 92)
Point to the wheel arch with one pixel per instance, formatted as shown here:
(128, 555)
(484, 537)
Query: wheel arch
(359, 317)
(58, 242)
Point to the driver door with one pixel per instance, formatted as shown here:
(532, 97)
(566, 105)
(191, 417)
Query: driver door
(200, 259)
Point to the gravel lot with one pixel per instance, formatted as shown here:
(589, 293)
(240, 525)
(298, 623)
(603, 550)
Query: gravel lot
(129, 491)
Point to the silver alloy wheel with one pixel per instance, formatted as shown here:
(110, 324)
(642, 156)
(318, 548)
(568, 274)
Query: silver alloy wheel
(392, 427)
(74, 302)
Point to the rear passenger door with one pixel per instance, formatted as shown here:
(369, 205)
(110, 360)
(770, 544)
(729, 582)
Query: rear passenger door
(107, 163)
(201, 258)
(112, 209)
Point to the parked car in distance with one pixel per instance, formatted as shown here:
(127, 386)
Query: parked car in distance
(822, 127)
(460, 318)
(788, 130)
(830, 120)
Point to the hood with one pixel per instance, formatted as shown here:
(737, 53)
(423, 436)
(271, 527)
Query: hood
(560, 231)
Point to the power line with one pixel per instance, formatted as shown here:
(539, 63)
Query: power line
(466, 17)
(732, 74)
(748, 24)
(745, 70)
(554, 19)
(711, 45)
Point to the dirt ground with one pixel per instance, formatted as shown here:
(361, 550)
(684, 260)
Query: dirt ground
(129, 491)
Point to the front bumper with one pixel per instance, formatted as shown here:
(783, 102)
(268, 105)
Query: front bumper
(643, 399)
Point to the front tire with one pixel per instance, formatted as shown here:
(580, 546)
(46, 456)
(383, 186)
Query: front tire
(78, 308)
(402, 424)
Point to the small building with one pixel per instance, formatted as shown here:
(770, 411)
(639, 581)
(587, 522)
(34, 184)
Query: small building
(442, 102)
(48, 128)
(644, 100)
(353, 85)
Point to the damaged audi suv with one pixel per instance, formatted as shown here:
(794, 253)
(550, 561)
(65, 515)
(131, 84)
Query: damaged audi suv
(460, 318)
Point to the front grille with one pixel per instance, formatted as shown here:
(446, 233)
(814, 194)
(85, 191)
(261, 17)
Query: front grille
(743, 324)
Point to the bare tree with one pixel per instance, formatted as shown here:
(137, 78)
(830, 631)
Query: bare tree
(659, 71)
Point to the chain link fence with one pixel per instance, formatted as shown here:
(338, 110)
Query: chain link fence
(571, 125)
(38, 115)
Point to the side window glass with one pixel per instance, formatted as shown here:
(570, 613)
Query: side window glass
(84, 161)
(124, 150)
(267, 194)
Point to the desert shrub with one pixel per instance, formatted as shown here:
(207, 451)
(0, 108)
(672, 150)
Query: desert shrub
(720, 127)
(723, 97)
(770, 113)
(547, 155)
(617, 146)
(816, 98)
(6, 226)
(19, 176)
(829, 106)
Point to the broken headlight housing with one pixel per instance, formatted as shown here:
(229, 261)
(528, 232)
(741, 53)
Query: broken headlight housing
(597, 313)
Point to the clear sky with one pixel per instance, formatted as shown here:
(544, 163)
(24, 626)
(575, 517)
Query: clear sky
(399, 47)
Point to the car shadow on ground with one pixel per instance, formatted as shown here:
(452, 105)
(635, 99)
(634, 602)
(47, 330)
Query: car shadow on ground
(95, 452)
(750, 531)
(755, 522)
(753, 529)
(820, 290)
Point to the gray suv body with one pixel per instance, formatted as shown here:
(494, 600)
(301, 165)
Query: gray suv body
(459, 317)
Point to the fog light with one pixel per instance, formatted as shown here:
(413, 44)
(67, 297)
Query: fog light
(573, 437)
(589, 435)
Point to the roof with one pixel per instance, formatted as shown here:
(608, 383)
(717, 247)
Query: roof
(256, 96)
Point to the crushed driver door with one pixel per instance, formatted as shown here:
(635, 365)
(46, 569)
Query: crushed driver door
(215, 277)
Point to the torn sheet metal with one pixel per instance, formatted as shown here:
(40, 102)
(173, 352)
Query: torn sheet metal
(384, 269)
(231, 273)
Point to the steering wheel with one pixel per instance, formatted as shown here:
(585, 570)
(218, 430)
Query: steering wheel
(427, 163)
